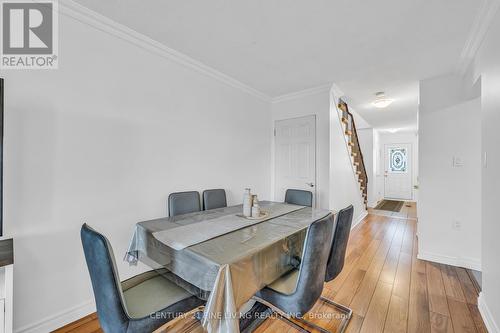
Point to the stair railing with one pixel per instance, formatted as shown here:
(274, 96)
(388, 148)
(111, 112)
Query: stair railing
(356, 152)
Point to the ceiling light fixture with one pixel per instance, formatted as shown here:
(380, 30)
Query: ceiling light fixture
(381, 101)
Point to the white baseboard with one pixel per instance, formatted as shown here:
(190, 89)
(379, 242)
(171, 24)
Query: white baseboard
(448, 260)
(359, 219)
(488, 319)
(59, 319)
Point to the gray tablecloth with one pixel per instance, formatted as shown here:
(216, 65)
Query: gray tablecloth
(229, 269)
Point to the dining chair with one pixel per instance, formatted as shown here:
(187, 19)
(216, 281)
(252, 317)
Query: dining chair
(336, 259)
(183, 202)
(294, 294)
(140, 304)
(299, 197)
(213, 199)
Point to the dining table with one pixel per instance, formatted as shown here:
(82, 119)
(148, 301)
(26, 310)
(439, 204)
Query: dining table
(223, 257)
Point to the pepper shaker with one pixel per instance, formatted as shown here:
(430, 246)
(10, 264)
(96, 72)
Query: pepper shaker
(255, 207)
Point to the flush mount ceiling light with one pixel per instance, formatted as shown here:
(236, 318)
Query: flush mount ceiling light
(381, 101)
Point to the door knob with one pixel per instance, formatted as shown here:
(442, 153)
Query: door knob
(310, 184)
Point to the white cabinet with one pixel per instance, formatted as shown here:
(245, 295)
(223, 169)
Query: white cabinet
(6, 285)
(6, 295)
(2, 315)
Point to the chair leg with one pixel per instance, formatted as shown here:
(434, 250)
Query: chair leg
(347, 311)
(289, 318)
(281, 313)
(343, 325)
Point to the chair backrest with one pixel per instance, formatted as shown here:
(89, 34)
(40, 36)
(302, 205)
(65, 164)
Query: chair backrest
(313, 264)
(183, 202)
(214, 199)
(105, 281)
(299, 197)
(339, 243)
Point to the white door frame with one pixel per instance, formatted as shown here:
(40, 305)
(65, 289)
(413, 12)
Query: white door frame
(410, 165)
(314, 190)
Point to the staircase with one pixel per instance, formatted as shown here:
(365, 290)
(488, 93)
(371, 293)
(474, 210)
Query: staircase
(349, 127)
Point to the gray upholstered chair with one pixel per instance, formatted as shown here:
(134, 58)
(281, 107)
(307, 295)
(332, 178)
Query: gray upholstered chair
(213, 199)
(294, 294)
(183, 202)
(299, 197)
(336, 259)
(140, 304)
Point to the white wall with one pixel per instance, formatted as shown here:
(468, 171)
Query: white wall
(386, 138)
(104, 139)
(450, 127)
(360, 122)
(488, 66)
(378, 181)
(314, 104)
(344, 187)
(336, 183)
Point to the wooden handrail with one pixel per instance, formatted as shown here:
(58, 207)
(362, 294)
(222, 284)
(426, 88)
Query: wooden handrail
(348, 118)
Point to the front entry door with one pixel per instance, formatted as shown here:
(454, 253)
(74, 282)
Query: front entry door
(398, 173)
(295, 155)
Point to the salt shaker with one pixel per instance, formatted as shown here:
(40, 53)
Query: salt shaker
(247, 203)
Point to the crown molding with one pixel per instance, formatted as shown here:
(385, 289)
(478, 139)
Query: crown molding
(100, 22)
(477, 33)
(302, 93)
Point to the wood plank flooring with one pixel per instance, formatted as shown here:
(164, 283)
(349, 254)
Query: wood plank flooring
(388, 288)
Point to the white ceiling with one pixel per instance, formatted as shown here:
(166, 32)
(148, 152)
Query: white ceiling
(283, 46)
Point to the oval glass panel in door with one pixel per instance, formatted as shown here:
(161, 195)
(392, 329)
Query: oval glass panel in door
(398, 160)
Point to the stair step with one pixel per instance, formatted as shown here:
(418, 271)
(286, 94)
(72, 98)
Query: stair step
(355, 149)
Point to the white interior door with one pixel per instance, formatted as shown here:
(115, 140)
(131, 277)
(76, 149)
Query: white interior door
(295, 155)
(398, 173)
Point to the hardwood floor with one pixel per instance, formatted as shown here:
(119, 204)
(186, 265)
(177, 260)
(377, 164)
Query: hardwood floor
(388, 288)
